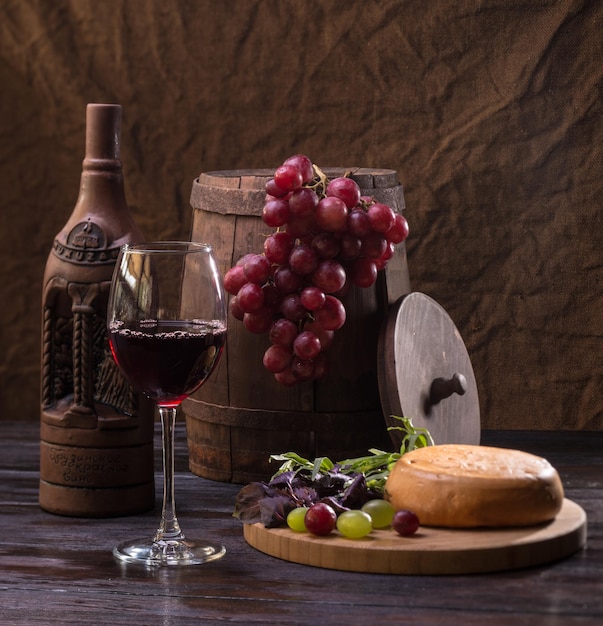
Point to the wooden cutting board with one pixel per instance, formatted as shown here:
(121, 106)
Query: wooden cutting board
(430, 550)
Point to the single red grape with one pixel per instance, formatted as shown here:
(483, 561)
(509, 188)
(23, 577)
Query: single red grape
(273, 189)
(326, 245)
(258, 322)
(331, 214)
(373, 245)
(399, 231)
(303, 259)
(286, 378)
(286, 280)
(320, 519)
(345, 189)
(257, 269)
(234, 279)
(329, 276)
(303, 164)
(288, 177)
(381, 217)
(250, 297)
(276, 213)
(277, 358)
(283, 332)
(303, 369)
(306, 345)
(235, 309)
(292, 308)
(331, 316)
(358, 223)
(278, 246)
(302, 202)
(312, 298)
(350, 247)
(405, 523)
(364, 272)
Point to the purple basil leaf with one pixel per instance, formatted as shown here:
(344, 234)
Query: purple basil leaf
(247, 507)
(330, 485)
(305, 496)
(356, 493)
(282, 481)
(335, 504)
(274, 510)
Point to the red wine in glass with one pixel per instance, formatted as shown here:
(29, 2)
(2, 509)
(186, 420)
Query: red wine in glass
(167, 360)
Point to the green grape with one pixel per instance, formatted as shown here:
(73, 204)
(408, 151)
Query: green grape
(381, 512)
(354, 524)
(295, 519)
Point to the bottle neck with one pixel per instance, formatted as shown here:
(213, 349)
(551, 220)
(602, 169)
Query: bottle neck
(102, 195)
(101, 221)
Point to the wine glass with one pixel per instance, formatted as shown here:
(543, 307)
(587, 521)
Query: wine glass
(167, 328)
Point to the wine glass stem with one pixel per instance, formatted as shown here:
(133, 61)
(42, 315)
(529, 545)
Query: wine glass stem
(169, 528)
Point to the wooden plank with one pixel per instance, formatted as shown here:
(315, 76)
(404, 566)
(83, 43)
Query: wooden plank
(58, 570)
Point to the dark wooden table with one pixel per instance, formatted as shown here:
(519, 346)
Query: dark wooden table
(61, 570)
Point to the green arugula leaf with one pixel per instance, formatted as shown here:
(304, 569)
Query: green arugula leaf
(375, 466)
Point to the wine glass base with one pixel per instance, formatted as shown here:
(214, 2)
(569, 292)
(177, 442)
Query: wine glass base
(168, 552)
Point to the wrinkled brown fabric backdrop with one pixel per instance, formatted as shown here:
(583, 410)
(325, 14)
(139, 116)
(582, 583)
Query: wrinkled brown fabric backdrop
(489, 110)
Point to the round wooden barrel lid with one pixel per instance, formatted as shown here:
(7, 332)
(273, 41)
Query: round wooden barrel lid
(425, 372)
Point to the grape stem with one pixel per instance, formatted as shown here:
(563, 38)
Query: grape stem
(320, 182)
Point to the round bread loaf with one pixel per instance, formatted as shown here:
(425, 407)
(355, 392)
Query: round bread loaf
(467, 486)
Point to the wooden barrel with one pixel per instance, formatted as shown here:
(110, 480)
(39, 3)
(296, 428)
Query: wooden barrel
(242, 415)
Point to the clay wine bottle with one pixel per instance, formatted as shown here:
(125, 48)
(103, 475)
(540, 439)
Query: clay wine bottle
(96, 448)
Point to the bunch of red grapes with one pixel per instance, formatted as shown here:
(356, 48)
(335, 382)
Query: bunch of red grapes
(328, 237)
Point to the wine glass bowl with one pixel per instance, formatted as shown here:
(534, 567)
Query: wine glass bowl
(167, 329)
